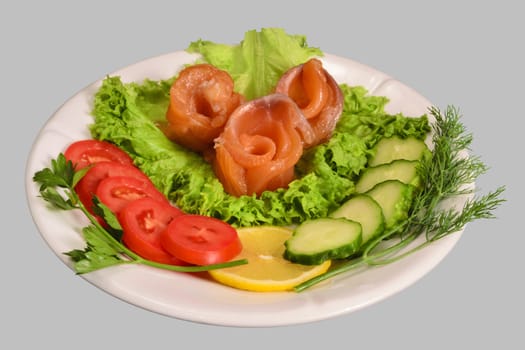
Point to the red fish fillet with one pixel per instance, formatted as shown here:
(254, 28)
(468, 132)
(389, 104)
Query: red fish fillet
(260, 144)
(317, 94)
(201, 100)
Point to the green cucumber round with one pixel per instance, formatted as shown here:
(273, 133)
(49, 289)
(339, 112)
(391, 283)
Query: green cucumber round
(394, 197)
(364, 210)
(389, 149)
(401, 169)
(318, 240)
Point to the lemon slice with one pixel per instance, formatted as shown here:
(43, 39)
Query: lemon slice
(267, 270)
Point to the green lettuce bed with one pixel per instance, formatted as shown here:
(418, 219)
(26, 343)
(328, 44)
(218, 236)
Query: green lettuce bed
(128, 114)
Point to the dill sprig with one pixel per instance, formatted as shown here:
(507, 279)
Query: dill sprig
(450, 172)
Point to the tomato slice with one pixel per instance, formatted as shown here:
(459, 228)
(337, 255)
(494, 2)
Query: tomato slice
(86, 152)
(201, 240)
(142, 222)
(87, 186)
(117, 191)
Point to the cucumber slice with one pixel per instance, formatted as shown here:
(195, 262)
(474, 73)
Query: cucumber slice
(401, 169)
(366, 211)
(318, 240)
(392, 148)
(394, 197)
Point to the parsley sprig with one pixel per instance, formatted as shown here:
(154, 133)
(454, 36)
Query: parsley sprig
(104, 248)
(450, 172)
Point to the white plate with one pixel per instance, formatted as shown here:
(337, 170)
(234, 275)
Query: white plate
(192, 298)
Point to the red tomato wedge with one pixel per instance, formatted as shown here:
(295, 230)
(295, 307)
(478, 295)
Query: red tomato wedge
(117, 191)
(201, 240)
(87, 186)
(143, 221)
(86, 152)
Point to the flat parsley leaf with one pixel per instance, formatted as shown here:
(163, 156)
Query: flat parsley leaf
(98, 254)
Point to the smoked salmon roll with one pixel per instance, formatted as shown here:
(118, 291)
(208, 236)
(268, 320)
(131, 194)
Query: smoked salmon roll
(317, 94)
(260, 145)
(201, 99)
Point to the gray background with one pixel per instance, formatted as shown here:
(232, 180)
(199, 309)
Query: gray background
(470, 56)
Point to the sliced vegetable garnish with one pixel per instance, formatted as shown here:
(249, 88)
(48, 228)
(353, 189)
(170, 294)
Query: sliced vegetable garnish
(267, 270)
(143, 221)
(103, 249)
(315, 241)
(201, 240)
(118, 191)
(87, 152)
(87, 186)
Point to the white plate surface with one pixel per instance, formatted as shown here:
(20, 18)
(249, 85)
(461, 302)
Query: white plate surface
(197, 299)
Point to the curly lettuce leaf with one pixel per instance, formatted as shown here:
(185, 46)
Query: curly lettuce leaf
(364, 116)
(127, 115)
(257, 63)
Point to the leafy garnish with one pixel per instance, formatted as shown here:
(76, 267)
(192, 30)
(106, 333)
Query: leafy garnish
(98, 254)
(449, 173)
(104, 249)
(110, 218)
(61, 175)
(259, 60)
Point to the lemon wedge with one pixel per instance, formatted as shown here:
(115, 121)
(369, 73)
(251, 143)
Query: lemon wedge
(267, 270)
